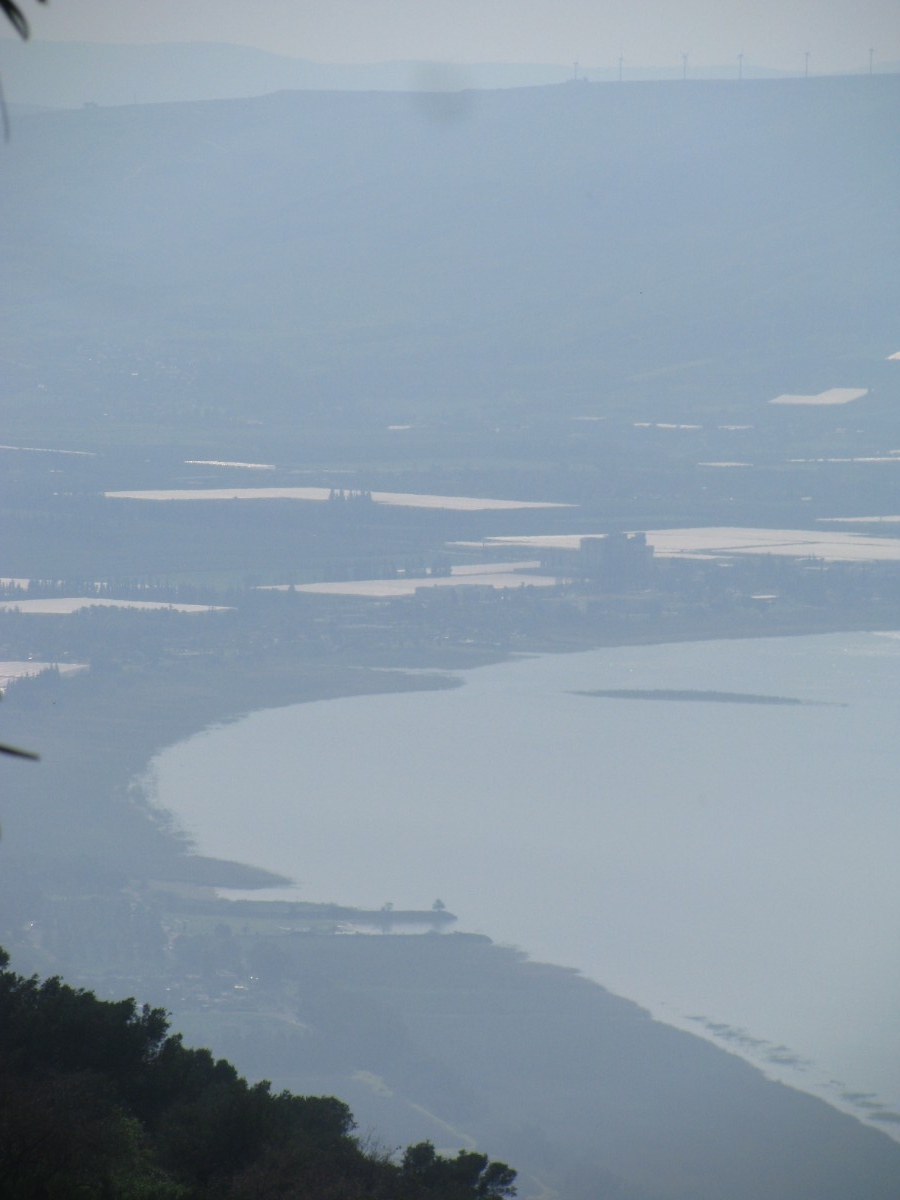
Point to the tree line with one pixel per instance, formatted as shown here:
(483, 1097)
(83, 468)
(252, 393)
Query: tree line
(98, 1099)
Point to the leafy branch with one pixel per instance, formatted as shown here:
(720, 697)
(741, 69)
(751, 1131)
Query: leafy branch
(18, 753)
(15, 751)
(16, 17)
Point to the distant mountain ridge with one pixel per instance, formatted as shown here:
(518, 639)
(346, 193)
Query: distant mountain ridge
(70, 74)
(590, 247)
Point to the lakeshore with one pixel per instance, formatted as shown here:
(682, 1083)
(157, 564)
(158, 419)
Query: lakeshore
(160, 708)
(637, 827)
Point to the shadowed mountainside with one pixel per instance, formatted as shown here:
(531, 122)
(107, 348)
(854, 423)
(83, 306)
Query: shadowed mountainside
(316, 258)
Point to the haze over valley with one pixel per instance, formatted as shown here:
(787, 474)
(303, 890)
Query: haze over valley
(533, 451)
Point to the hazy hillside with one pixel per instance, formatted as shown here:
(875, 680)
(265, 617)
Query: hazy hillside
(451, 1036)
(70, 74)
(584, 293)
(583, 245)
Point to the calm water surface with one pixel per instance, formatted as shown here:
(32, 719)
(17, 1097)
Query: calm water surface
(727, 861)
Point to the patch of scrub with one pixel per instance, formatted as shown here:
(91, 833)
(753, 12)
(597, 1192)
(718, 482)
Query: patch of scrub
(10, 671)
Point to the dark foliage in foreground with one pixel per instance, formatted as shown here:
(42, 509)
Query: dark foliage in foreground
(97, 1099)
(16, 17)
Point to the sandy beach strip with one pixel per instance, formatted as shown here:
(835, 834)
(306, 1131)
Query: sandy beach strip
(65, 605)
(836, 395)
(320, 494)
(724, 541)
(491, 575)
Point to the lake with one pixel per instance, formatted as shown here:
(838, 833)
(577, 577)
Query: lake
(725, 858)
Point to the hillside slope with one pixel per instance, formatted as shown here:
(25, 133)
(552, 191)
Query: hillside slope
(332, 256)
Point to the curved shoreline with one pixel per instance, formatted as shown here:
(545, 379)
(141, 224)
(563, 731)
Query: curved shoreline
(785, 1068)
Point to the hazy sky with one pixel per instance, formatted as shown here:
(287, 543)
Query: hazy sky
(776, 33)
